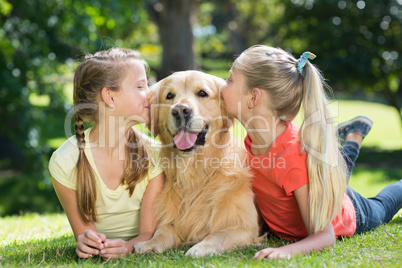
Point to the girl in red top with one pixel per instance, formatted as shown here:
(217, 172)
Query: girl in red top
(300, 175)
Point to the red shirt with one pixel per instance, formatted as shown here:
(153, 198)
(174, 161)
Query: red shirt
(276, 175)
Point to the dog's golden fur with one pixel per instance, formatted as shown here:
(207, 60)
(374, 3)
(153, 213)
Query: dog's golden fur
(207, 198)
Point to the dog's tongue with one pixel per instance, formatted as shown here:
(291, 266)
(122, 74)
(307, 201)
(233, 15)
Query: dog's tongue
(184, 140)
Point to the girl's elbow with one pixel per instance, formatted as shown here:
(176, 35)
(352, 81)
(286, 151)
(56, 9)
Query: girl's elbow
(331, 241)
(330, 237)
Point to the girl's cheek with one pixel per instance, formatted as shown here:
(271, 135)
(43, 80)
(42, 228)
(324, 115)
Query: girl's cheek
(225, 93)
(223, 90)
(144, 95)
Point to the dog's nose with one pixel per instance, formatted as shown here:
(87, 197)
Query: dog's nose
(182, 111)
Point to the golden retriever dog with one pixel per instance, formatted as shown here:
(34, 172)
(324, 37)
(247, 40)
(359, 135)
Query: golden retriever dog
(207, 199)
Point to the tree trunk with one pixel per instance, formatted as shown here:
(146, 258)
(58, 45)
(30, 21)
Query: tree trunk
(393, 100)
(174, 20)
(238, 42)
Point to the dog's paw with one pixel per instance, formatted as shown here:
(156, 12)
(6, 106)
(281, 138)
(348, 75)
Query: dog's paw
(149, 246)
(202, 250)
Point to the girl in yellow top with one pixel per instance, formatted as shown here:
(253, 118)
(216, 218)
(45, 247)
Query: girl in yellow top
(107, 177)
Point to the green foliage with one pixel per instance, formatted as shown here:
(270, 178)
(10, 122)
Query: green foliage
(357, 42)
(35, 51)
(34, 240)
(361, 37)
(241, 23)
(39, 43)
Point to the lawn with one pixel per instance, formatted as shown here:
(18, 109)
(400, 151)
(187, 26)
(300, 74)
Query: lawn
(46, 240)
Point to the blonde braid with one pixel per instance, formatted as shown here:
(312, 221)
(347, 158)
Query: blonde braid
(79, 132)
(86, 185)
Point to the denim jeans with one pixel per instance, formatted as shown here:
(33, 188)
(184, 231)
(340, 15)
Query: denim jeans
(372, 212)
(350, 152)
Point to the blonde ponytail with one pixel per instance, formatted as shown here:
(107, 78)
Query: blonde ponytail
(325, 164)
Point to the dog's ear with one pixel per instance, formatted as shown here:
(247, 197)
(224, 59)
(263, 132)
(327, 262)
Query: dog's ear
(227, 122)
(154, 109)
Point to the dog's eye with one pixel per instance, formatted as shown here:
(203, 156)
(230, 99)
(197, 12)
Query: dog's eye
(169, 96)
(202, 93)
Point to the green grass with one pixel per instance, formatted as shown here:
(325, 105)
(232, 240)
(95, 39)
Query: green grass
(46, 240)
(370, 181)
(387, 129)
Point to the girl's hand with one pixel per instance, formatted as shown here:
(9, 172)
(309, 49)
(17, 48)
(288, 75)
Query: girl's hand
(89, 243)
(272, 253)
(115, 248)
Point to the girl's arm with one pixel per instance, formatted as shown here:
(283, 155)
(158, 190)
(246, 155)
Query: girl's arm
(147, 213)
(317, 241)
(118, 247)
(89, 242)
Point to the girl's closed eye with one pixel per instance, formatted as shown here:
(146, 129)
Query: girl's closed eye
(141, 84)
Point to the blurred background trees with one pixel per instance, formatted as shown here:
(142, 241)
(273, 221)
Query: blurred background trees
(358, 44)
